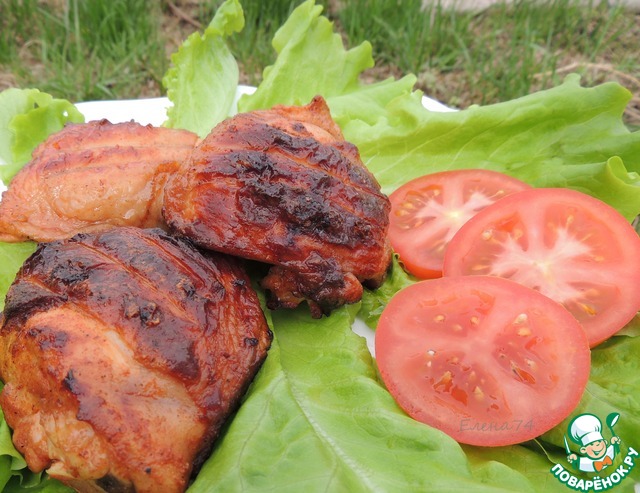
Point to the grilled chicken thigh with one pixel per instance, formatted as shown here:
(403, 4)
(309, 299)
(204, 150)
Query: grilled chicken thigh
(123, 354)
(91, 177)
(283, 187)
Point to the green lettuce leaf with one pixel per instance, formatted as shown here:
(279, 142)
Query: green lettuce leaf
(374, 301)
(632, 329)
(369, 104)
(27, 117)
(10, 459)
(491, 464)
(12, 256)
(567, 136)
(203, 80)
(311, 61)
(317, 419)
(39, 484)
(12, 465)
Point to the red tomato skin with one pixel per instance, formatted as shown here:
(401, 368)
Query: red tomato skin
(420, 243)
(603, 278)
(416, 326)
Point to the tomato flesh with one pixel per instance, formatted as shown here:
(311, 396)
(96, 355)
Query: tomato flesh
(427, 211)
(569, 246)
(475, 356)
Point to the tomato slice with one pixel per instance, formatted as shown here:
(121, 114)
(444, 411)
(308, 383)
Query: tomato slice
(486, 360)
(427, 211)
(569, 246)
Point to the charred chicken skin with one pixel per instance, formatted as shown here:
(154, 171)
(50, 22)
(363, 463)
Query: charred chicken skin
(282, 186)
(123, 354)
(91, 177)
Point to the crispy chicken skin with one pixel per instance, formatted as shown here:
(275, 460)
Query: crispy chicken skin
(123, 354)
(283, 187)
(90, 177)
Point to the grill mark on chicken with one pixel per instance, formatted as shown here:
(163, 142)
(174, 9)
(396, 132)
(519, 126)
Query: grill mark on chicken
(184, 282)
(145, 308)
(269, 191)
(119, 256)
(109, 338)
(305, 150)
(133, 309)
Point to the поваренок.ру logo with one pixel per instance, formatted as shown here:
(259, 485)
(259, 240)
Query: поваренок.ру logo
(598, 465)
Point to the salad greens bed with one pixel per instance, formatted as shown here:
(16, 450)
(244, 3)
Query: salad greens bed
(316, 417)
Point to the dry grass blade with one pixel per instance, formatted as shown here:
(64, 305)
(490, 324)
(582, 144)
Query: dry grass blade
(182, 15)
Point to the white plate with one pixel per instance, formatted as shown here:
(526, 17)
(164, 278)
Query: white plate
(154, 110)
(151, 111)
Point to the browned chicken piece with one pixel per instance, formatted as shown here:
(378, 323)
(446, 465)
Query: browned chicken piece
(90, 177)
(282, 186)
(123, 353)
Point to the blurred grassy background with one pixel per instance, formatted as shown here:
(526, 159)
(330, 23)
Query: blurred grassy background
(118, 49)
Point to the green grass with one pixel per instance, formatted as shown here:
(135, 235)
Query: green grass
(102, 49)
(498, 54)
(83, 50)
(407, 35)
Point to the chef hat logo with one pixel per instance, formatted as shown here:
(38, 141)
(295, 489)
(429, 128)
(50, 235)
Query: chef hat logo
(586, 429)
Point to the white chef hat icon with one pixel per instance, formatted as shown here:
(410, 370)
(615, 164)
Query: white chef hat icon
(586, 429)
